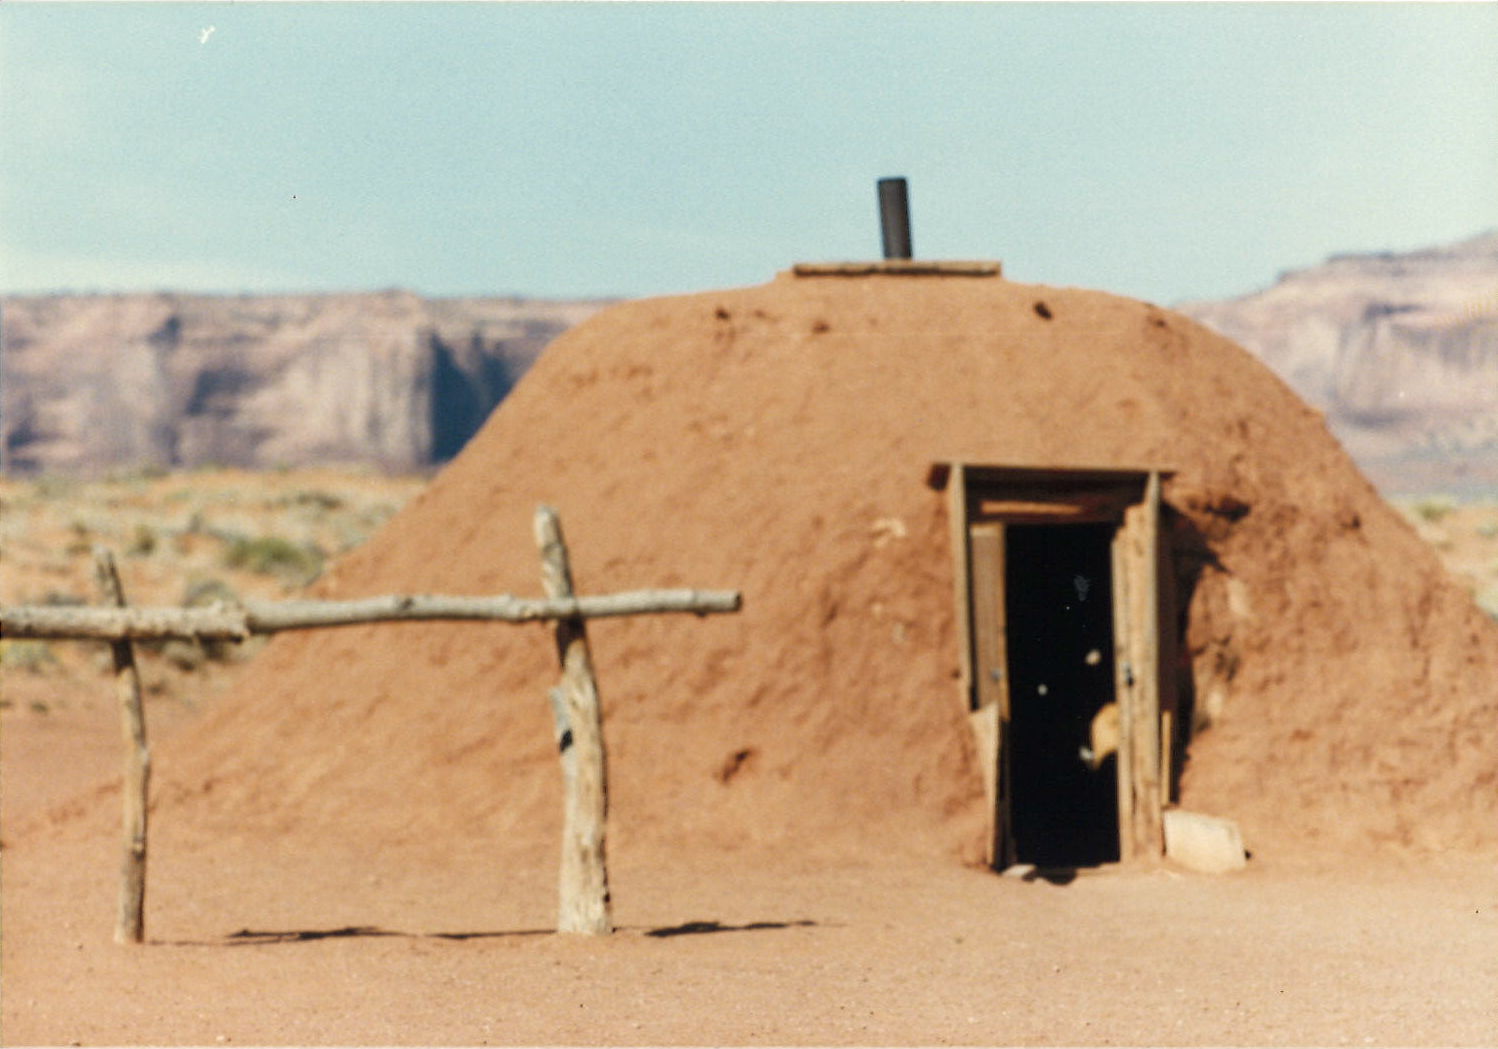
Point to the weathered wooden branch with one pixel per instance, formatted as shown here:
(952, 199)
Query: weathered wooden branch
(130, 917)
(584, 883)
(235, 623)
(575, 705)
(133, 623)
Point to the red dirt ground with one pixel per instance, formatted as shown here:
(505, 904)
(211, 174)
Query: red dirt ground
(356, 846)
(454, 951)
(454, 948)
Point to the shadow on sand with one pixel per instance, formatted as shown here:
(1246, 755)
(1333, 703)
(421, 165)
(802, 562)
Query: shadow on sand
(1053, 875)
(246, 937)
(695, 928)
(249, 937)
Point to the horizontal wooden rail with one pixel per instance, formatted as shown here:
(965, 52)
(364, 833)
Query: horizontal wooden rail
(237, 622)
(579, 720)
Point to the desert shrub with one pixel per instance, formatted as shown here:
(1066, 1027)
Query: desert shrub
(32, 656)
(82, 540)
(1435, 508)
(142, 542)
(140, 473)
(313, 499)
(187, 655)
(203, 592)
(272, 555)
(54, 487)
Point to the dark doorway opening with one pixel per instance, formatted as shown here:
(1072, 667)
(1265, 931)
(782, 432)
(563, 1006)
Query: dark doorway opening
(1059, 614)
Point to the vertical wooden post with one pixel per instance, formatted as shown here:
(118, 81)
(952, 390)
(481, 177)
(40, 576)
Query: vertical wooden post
(1139, 746)
(1148, 826)
(961, 580)
(584, 881)
(990, 671)
(130, 919)
(1169, 652)
(1124, 658)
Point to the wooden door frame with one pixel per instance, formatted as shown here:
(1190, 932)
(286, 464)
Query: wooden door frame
(981, 501)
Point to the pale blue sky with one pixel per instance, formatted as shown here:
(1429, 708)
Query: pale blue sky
(1165, 151)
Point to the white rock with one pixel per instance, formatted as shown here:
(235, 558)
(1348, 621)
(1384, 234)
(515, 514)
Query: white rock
(1206, 844)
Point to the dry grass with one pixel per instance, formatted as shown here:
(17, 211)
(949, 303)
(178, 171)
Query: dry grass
(182, 538)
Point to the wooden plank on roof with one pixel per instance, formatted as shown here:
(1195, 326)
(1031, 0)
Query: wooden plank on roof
(900, 268)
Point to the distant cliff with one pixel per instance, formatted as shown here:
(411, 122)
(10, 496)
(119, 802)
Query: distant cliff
(97, 382)
(1399, 350)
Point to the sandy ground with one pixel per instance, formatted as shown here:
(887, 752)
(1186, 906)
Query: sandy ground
(328, 943)
(313, 940)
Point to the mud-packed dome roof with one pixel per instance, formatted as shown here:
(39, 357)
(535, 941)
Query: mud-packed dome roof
(777, 440)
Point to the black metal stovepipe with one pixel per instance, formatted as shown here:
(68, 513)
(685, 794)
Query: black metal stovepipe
(894, 217)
